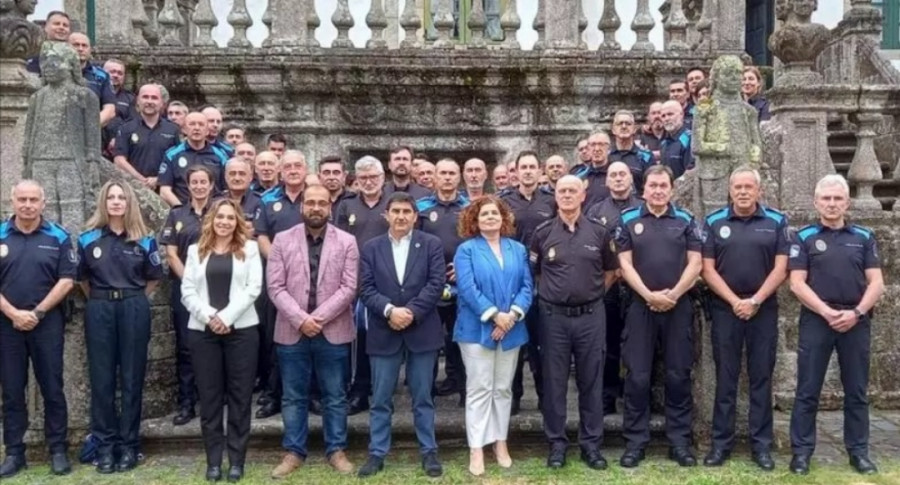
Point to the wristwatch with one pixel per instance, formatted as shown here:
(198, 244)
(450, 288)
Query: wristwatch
(857, 312)
(39, 314)
(753, 301)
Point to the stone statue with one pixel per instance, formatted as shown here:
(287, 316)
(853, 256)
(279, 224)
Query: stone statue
(798, 42)
(19, 38)
(726, 133)
(62, 137)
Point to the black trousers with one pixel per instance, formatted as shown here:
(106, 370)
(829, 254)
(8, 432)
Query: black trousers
(187, 389)
(583, 336)
(267, 354)
(531, 352)
(226, 369)
(643, 329)
(817, 342)
(362, 370)
(43, 346)
(615, 322)
(453, 364)
(729, 335)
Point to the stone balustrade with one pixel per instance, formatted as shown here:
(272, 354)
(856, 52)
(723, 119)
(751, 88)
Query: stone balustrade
(432, 24)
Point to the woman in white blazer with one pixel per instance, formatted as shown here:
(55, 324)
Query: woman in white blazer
(222, 278)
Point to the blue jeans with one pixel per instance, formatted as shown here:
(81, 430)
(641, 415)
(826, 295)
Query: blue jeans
(332, 366)
(385, 374)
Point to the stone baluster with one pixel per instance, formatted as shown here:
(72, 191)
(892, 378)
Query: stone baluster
(139, 22)
(539, 25)
(288, 26)
(392, 19)
(676, 27)
(312, 23)
(113, 24)
(267, 18)
(704, 27)
(343, 21)
(582, 26)
(609, 24)
(865, 171)
(510, 23)
(642, 24)
(151, 31)
(410, 22)
(170, 22)
(443, 23)
(376, 21)
(562, 24)
(240, 20)
(206, 21)
(477, 23)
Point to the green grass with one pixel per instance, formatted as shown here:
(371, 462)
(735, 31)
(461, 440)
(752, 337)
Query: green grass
(402, 468)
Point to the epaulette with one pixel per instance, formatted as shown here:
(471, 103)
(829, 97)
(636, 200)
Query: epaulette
(683, 214)
(426, 203)
(862, 231)
(175, 150)
(272, 194)
(87, 237)
(544, 224)
(717, 215)
(630, 214)
(810, 230)
(774, 215)
(53, 229)
(4, 229)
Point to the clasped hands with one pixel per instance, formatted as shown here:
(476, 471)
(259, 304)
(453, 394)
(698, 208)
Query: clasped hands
(503, 323)
(400, 318)
(661, 301)
(217, 326)
(840, 320)
(24, 320)
(744, 309)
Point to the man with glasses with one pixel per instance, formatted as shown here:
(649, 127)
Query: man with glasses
(594, 174)
(625, 150)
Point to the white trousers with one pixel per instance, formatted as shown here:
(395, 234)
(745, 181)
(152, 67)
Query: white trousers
(489, 376)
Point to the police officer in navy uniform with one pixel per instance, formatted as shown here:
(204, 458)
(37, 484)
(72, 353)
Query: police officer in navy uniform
(675, 151)
(745, 252)
(659, 251)
(624, 148)
(594, 173)
(38, 266)
(608, 211)
(95, 77)
(119, 267)
(279, 210)
(531, 205)
(574, 260)
(57, 28)
(238, 174)
(195, 150)
(142, 142)
(836, 275)
(438, 215)
(181, 229)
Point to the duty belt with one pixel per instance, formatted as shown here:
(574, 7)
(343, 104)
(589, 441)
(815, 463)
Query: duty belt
(572, 310)
(115, 295)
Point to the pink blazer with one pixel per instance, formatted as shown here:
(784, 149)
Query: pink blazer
(287, 275)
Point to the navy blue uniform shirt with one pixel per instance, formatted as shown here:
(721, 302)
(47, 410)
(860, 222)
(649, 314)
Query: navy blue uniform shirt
(98, 81)
(111, 262)
(125, 111)
(529, 214)
(637, 159)
(31, 264)
(762, 107)
(609, 210)
(650, 141)
(596, 189)
(836, 261)
(744, 248)
(659, 245)
(365, 223)
(277, 212)
(415, 190)
(178, 159)
(145, 147)
(675, 152)
(440, 218)
(182, 228)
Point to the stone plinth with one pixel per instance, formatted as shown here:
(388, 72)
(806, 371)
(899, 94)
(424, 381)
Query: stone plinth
(16, 85)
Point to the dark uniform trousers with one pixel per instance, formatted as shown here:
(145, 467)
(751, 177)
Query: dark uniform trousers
(580, 331)
(117, 328)
(226, 368)
(729, 333)
(531, 351)
(643, 328)
(187, 395)
(44, 345)
(268, 354)
(362, 374)
(453, 364)
(817, 341)
(615, 321)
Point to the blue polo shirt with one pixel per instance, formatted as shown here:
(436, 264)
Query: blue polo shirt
(98, 81)
(637, 159)
(31, 264)
(145, 147)
(277, 212)
(108, 261)
(182, 228)
(595, 178)
(440, 218)
(675, 151)
(178, 159)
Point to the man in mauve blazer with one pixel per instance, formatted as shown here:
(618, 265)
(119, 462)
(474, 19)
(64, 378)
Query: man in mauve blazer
(312, 280)
(400, 299)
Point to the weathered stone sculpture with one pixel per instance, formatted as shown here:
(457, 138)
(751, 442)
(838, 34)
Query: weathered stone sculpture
(19, 38)
(62, 137)
(726, 133)
(798, 42)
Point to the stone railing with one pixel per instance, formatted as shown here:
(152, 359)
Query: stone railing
(499, 24)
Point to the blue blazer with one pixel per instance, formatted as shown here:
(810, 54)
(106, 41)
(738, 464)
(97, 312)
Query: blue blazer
(422, 285)
(484, 286)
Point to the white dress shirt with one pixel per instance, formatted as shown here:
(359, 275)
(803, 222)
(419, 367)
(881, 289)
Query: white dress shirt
(400, 249)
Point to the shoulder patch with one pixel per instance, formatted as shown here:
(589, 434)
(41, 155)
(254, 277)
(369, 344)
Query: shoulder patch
(631, 214)
(683, 214)
(685, 139)
(774, 215)
(426, 203)
(146, 243)
(272, 195)
(100, 73)
(582, 172)
(171, 153)
(717, 216)
(53, 229)
(862, 231)
(645, 156)
(222, 154)
(808, 231)
(87, 237)
(4, 229)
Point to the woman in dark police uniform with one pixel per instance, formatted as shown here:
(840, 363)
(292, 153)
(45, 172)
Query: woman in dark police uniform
(120, 266)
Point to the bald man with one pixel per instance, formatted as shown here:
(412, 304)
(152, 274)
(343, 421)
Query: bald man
(675, 151)
(474, 176)
(214, 124)
(142, 142)
(555, 167)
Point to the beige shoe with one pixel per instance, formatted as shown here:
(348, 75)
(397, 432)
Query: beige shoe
(289, 463)
(338, 460)
(476, 462)
(502, 454)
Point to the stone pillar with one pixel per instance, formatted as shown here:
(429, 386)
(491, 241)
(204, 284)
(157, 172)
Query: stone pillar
(729, 26)
(77, 11)
(392, 16)
(288, 23)
(112, 27)
(16, 86)
(561, 24)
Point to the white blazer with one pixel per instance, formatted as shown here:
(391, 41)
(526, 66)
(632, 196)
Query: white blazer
(246, 284)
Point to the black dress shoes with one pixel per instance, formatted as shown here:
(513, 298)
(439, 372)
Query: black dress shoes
(557, 458)
(59, 464)
(764, 461)
(127, 461)
(446, 388)
(800, 464)
(12, 465)
(862, 464)
(594, 460)
(268, 410)
(184, 416)
(235, 473)
(106, 463)
(431, 465)
(716, 457)
(683, 456)
(631, 458)
(213, 473)
(372, 466)
(516, 407)
(357, 404)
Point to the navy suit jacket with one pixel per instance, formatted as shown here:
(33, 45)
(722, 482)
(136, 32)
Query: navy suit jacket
(420, 292)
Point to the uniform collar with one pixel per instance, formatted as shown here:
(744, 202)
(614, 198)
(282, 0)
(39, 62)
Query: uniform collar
(677, 134)
(578, 222)
(106, 231)
(760, 212)
(645, 211)
(45, 224)
(633, 149)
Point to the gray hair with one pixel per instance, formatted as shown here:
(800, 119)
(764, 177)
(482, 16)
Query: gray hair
(237, 160)
(23, 183)
(624, 112)
(368, 163)
(745, 169)
(832, 180)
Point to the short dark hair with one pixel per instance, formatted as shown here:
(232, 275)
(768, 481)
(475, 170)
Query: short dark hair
(331, 159)
(53, 13)
(700, 85)
(421, 156)
(199, 168)
(527, 153)
(696, 68)
(401, 198)
(276, 138)
(660, 169)
(400, 148)
(678, 81)
(233, 126)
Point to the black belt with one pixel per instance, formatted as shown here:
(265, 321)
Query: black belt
(572, 310)
(841, 306)
(115, 295)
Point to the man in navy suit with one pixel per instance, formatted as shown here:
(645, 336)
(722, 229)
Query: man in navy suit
(402, 276)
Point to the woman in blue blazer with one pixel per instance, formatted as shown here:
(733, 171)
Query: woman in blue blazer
(495, 291)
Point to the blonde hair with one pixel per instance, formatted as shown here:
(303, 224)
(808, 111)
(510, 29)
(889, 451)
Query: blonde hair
(135, 229)
(208, 235)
